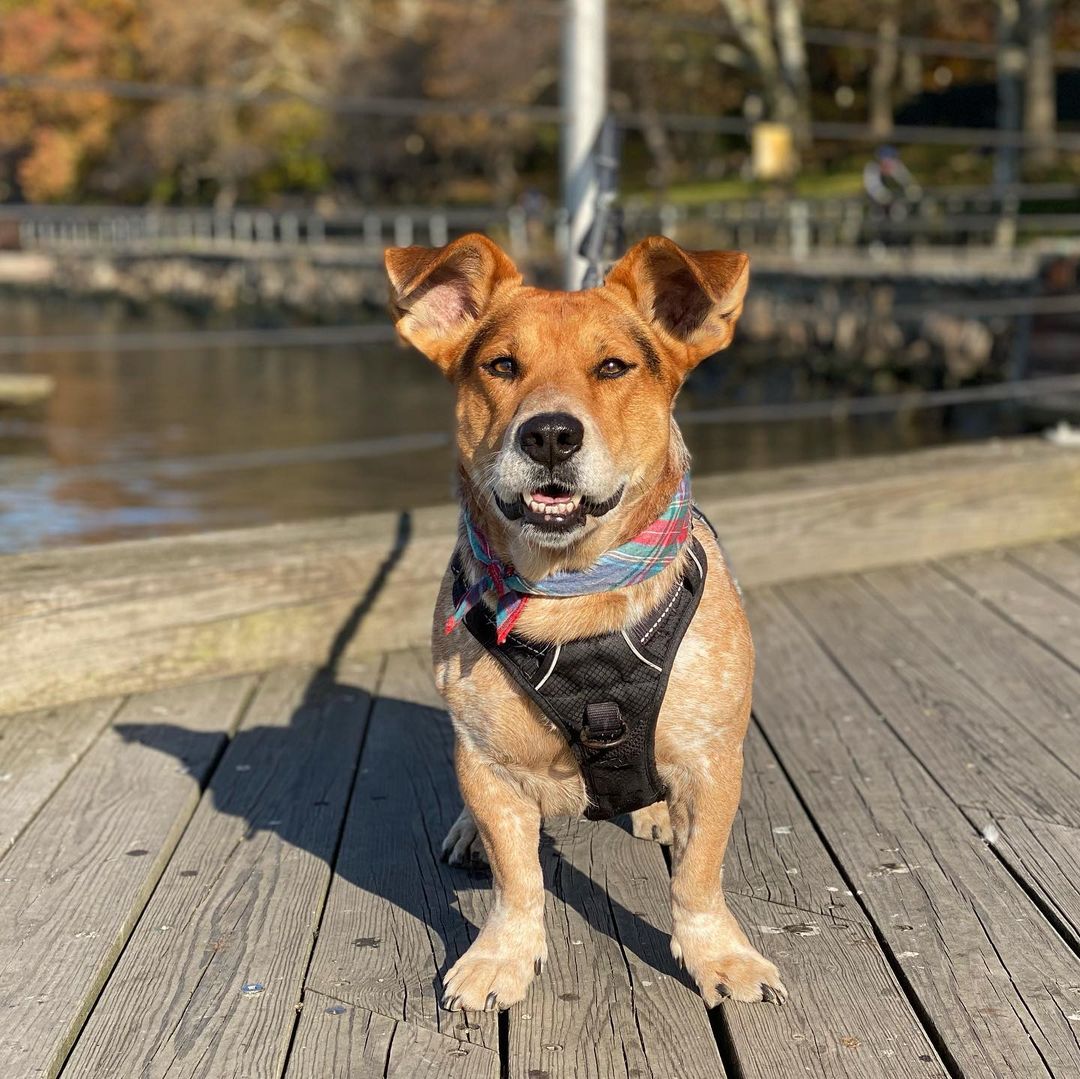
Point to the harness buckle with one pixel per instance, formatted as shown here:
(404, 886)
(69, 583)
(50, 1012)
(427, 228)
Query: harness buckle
(603, 727)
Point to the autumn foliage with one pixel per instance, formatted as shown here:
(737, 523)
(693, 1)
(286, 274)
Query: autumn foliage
(256, 100)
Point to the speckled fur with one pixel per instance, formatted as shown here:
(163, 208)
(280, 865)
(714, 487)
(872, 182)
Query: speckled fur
(513, 766)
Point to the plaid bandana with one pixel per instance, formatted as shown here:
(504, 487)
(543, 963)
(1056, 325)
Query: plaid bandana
(640, 558)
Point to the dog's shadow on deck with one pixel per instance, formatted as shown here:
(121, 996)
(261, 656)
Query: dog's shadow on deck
(298, 779)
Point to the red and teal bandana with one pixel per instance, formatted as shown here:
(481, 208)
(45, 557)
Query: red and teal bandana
(651, 550)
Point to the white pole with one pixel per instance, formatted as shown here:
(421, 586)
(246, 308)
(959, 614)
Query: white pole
(584, 101)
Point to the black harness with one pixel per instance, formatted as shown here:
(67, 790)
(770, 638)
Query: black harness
(603, 693)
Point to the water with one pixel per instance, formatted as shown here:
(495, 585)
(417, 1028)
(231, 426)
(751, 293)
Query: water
(137, 444)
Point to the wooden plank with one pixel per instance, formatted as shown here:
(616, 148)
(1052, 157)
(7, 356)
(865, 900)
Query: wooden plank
(611, 1001)
(136, 614)
(338, 1041)
(1039, 690)
(76, 880)
(954, 725)
(1047, 858)
(991, 975)
(239, 902)
(1056, 563)
(1040, 609)
(847, 1014)
(900, 510)
(37, 749)
(396, 917)
(130, 615)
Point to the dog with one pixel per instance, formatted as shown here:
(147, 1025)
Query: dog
(569, 454)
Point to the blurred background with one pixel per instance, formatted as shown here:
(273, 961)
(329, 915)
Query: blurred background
(194, 199)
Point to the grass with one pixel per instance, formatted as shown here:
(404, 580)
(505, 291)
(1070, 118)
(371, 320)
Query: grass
(808, 185)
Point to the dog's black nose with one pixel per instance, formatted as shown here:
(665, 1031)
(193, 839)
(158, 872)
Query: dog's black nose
(551, 437)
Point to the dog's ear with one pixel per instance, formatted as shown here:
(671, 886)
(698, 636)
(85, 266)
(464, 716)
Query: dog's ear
(438, 294)
(693, 298)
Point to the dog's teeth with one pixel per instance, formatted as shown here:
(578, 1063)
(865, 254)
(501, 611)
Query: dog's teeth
(553, 509)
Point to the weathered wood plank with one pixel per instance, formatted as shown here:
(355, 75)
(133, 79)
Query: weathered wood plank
(239, 902)
(1056, 563)
(37, 749)
(396, 917)
(1047, 858)
(1037, 688)
(152, 612)
(847, 1015)
(335, 1041)
(78, 877)
(897, 510)
(965, 739)
(610, 1002)
(989, 972)
(1025, 599)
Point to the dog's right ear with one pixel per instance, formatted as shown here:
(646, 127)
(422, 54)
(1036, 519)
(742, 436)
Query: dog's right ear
(439, 294)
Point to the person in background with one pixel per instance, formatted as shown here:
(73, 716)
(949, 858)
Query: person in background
(891, 188)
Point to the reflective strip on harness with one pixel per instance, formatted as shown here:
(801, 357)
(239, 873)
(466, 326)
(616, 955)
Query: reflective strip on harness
(603, 693)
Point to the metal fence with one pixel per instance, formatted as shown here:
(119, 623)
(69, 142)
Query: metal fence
(973, 218)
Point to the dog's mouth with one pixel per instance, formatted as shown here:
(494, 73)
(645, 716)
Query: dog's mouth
(555, 507)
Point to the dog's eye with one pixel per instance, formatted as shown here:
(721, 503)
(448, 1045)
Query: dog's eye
(612, 367)
(502, 367)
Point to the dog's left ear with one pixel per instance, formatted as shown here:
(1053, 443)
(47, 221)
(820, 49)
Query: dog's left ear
(439, 294)
(693, 298)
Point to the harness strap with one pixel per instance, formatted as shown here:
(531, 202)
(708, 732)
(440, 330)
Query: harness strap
(603, 693)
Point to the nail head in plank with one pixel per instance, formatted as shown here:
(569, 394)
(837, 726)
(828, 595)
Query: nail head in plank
(240, 900)
(78, 877)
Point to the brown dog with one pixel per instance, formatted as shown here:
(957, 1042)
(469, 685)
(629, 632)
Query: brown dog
(564, 404)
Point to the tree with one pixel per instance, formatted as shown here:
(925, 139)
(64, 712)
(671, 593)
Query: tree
(1040, 94)
(772, 37)
(51, 138)
(884, 70)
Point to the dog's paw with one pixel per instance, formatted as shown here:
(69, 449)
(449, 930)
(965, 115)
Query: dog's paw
(462, 845)
(488, 978)
(653, 823)
(736, 974)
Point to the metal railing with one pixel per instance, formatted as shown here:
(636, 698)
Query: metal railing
(975, 218)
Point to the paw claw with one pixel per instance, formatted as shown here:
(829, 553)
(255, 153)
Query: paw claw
(491, 1002)
(723, 991)
(538, 965)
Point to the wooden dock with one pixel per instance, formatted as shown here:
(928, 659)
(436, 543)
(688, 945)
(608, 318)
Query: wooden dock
(213, 871)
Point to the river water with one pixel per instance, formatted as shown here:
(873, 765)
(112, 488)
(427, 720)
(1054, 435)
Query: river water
(174, 439)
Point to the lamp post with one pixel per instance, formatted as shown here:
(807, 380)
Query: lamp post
(584, 104)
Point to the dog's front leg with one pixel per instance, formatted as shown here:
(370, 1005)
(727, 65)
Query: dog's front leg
(510, 948)
(705, 936)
